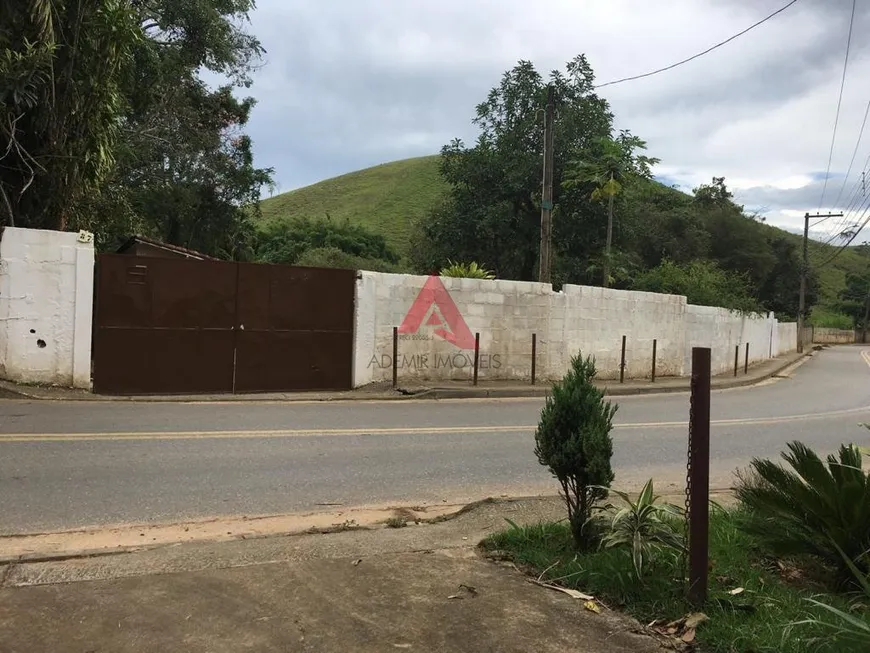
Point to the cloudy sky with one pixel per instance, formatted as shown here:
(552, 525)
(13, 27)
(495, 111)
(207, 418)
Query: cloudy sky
(352, 83)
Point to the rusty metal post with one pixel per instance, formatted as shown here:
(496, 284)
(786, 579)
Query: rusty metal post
(534, 355)
(746, 360)
(699, 475)
(622, 363)
(476, 355)
(395, 356)
(736, 358)
(653, 375)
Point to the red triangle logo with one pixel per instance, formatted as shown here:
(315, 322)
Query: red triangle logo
(434, 293)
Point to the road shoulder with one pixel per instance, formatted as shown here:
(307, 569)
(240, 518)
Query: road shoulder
(421, 588)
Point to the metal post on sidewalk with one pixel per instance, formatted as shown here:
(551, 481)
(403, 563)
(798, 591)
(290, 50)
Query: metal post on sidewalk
(736, 358)
(699, 476)
(622, 363)
(534, 355)
(395, 356)
(746, 360)
(653, 375)
(476, 355)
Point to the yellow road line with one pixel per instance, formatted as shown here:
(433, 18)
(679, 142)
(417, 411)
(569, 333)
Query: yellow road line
(865, 354)
(413, 430)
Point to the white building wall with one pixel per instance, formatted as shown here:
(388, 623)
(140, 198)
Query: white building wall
(46, 307)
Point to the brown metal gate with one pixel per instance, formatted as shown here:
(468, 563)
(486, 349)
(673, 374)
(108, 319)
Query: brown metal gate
(174, 326)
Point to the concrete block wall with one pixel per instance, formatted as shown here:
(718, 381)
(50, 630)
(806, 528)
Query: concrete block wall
(438, 317)
(724, 331)
(824, 336)
(46, 307)
(504, 313)
(597, 318)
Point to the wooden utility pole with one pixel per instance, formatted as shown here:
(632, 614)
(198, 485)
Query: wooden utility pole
(547, 194)
(802, 300)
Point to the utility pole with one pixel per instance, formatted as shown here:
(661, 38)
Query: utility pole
(547, 194)
(802, 301)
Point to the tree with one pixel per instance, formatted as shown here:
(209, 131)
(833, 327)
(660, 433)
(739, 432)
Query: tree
(855, 298)
(492, 211)
(615, 161)
(573, 441)
(62, 67)
(185, 172)
(110, 127)
(780, 291)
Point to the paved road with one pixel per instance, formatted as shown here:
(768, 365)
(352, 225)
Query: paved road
(73, 464)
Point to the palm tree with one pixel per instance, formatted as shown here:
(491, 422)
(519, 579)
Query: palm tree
(607, 172)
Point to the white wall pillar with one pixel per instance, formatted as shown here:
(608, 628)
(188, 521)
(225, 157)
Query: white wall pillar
(46, 306)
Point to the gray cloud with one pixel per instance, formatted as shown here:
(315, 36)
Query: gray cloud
(352, 84)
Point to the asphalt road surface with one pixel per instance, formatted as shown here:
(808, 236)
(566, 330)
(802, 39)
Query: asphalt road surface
(73, 464)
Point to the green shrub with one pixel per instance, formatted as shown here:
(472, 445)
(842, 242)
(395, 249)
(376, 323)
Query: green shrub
(642, 526)
(285, 241)
(573, 440)
(332, 257)
(466, 270)
(702, 282)
(816, 509)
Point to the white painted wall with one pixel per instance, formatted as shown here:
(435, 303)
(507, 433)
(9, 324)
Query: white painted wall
(46, 307)
(786, 338)
(506, 314)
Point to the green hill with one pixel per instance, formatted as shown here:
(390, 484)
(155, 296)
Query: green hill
(386, 198)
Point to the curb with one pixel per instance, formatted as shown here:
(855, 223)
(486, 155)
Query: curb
(612, 390)
(400, 394)
(8, 561)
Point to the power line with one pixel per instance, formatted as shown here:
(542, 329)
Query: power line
(839, 103)
(845, 245)
(854, 154)
(856, 197)
(700, 54)
(860, 223)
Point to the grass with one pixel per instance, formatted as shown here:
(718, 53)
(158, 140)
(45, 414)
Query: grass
(825, 318)
(387, 198)
(761, 619)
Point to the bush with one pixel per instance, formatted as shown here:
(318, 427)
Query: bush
(816, 509)
(573, 440)
(331, 257)
(285, 241)
(466, 270)
(643, 526)
(703, 283)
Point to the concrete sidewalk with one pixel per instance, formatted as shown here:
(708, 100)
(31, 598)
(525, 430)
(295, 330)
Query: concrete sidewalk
(420, 390)
(418, 588)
